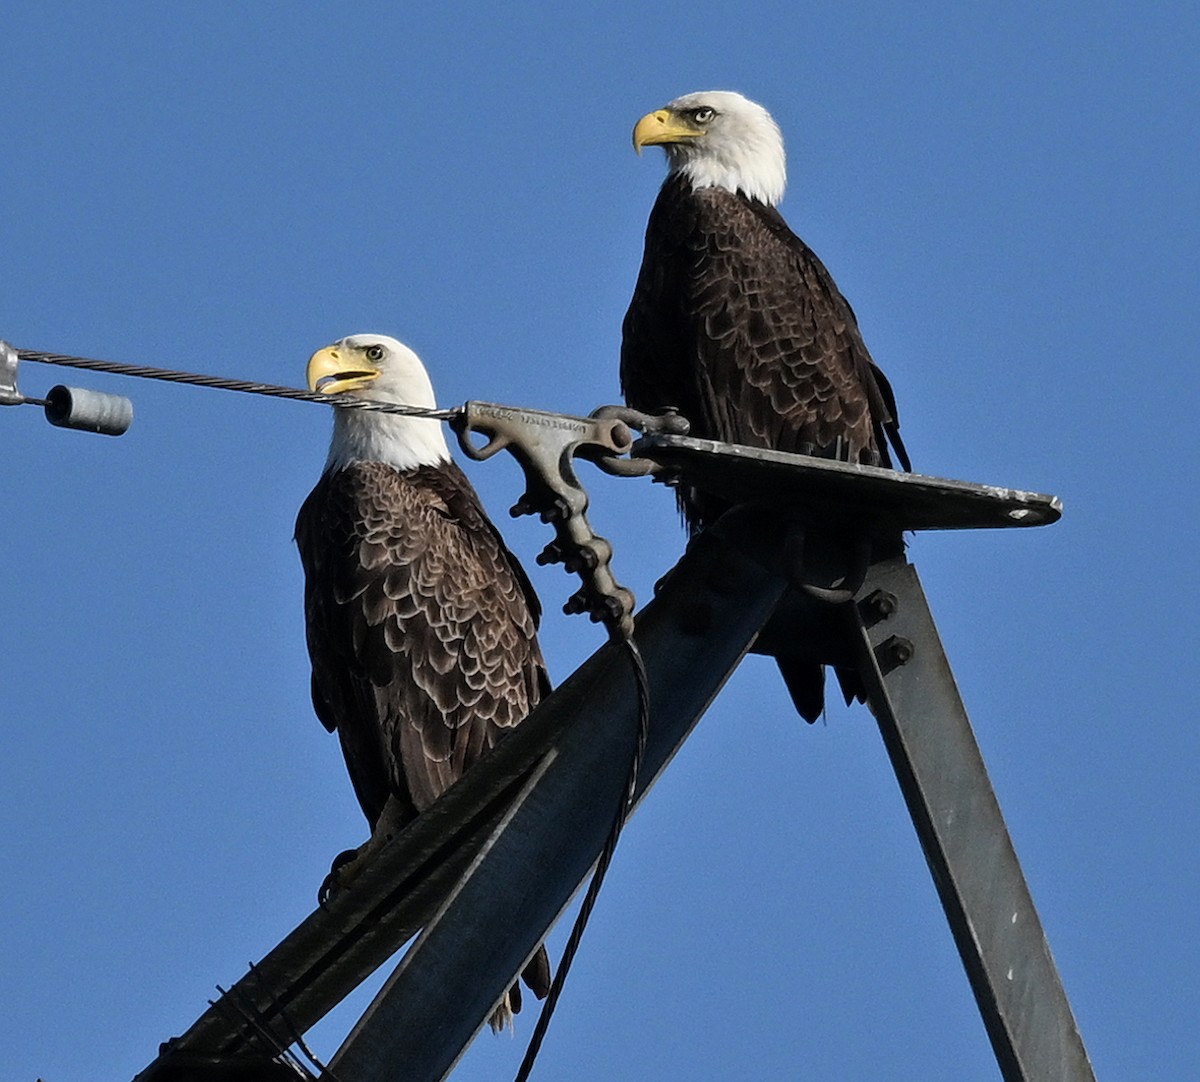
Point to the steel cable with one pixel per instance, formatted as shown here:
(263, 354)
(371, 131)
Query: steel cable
(222, 383)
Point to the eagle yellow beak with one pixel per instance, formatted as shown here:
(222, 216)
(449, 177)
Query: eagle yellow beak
(662, 126)
(333, 370)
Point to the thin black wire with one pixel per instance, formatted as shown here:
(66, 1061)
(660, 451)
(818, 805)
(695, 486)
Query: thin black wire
(297, 1037)
(234, 1005)
(606, 855)
(221, 383)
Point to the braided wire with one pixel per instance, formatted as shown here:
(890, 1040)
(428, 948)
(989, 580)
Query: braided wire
(222, 383)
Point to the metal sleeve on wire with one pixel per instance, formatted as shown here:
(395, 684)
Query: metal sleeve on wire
(88, 411)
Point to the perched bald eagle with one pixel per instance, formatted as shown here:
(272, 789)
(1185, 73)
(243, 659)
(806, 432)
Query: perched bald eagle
(422, 626)
(736, 323)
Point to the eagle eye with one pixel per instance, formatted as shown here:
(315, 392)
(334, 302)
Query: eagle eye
(704, 114)
(374, 353)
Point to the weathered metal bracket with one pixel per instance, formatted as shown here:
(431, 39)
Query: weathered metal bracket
(545, 445)
(667, 423)
(9, 395)
(844, 494)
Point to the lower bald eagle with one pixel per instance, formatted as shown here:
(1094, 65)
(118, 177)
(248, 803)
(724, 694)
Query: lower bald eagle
(422, 626)
(736, 323)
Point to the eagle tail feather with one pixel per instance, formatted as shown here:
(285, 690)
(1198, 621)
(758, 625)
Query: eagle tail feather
(805, 682)
(536, 973)
(536, 976)
(851, 685)
(502, 1017)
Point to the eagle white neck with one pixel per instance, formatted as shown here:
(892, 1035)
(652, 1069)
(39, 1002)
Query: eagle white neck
(401, 442)
(763, 178)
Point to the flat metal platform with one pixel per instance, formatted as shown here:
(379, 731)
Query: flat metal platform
(908, 501)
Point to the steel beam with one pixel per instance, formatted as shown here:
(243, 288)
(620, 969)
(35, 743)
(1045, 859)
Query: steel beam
(924, 725)
(692, 637)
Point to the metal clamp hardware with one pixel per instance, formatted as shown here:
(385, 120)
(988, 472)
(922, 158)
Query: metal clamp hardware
(9, 395)
(67, 407)
(544, 445)
(668, 423)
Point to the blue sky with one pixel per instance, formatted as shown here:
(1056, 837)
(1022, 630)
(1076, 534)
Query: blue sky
(1008, 196)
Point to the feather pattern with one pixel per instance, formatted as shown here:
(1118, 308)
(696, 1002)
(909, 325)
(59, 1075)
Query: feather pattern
(736, 323)
(422, 627)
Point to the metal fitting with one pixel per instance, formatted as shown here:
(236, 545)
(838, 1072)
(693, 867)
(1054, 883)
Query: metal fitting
(894, 652)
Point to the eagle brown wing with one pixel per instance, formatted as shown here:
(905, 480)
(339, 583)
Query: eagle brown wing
(421, 628)
(735, 322)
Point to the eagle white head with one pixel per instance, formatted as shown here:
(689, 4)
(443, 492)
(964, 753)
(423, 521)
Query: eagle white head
(377, 367)
(719, 139)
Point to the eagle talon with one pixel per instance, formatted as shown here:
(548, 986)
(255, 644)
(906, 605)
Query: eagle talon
(339, 876)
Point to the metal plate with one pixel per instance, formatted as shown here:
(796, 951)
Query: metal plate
(910, 501)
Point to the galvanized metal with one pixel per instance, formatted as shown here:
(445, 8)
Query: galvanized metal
(945, 784)
(9, 361)
(546, 445)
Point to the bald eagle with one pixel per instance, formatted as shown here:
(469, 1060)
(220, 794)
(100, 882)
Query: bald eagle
(736, 323)
(422, 626)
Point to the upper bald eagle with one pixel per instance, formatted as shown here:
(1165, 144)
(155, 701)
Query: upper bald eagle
(422, 626)
(735, 322)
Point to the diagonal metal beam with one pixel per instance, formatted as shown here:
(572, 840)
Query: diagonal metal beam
(692, 637)
(996, 928)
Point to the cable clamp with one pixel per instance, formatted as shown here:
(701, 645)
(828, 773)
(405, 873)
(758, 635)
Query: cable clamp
(545, 446)
(67, 407)
(9, 395)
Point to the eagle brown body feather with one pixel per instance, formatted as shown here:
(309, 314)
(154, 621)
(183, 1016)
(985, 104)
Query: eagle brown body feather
(422, 628)
(737, 324)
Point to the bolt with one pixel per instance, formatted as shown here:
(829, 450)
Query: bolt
(551, 554)
(576, 604)
(523, 506)
(894, 652)
(881, 604)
